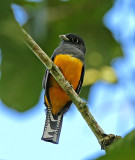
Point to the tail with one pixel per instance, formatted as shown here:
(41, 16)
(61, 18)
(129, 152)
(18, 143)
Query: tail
(52, 127)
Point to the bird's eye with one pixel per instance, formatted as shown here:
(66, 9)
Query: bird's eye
(74, 40)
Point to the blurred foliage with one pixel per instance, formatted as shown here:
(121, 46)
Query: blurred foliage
(105, 73)
(122, 149)
(22, 72)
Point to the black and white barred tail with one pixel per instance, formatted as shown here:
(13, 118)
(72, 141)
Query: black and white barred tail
(52, 127)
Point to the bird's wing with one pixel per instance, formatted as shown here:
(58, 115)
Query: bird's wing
(78, 89)
(45, 82)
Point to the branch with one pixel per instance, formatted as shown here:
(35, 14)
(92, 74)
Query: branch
(103, 139)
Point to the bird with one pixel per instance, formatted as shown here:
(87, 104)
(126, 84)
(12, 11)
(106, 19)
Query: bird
(69, 56)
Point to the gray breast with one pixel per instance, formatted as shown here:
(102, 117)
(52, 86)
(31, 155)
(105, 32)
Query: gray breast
(69, 49)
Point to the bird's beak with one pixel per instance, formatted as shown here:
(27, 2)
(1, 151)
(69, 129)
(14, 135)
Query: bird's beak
(63, 37)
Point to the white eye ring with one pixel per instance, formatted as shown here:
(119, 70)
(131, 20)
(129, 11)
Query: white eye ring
(75, 40)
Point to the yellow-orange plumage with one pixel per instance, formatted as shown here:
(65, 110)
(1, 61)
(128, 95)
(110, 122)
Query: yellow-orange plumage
(71, 68)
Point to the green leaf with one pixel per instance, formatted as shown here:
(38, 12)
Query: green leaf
(123, 149)
(21, 71)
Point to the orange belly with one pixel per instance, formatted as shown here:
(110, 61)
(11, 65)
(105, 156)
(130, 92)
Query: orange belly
(71, 68)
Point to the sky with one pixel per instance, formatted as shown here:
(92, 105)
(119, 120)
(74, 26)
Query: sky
(113, 105)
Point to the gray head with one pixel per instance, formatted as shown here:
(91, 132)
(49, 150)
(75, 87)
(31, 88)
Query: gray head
(73, 39)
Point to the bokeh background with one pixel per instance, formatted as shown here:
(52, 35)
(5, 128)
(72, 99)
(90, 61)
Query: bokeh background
(108, 28)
